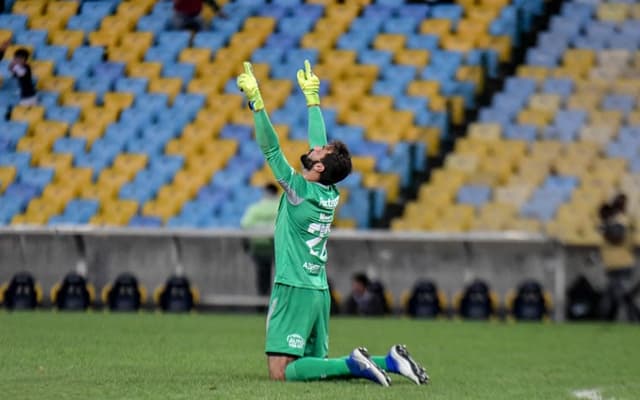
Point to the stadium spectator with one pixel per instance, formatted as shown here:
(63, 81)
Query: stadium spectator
(262, 215)
(186, 13)
(297, 339)
(618, 258)
(21, 69)
(363, 300)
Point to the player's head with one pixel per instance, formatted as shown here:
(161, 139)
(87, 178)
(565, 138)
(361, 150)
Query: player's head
(271, 190)
(328, 164)
(359, 283)
(21, 55)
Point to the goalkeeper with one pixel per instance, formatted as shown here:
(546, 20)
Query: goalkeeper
(297, 342)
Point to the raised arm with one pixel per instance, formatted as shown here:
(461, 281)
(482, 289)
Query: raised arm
(266, 135)
(310, 85)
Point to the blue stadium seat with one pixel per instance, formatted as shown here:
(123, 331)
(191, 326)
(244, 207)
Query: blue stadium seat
(63, 114)
(75, 146)
(56, 54)
(401, 25)
(520, 132)
(19, 159)
(137, 86)
(35, 38)
(161, 54)
(84, 23)
(138, 191)
(270, 55)
(73, 68)
(109, 71)
(13, 131)
(94, 84)
(91, 55)
(36, 177)
(210, 40)
(145, 222)
(423, 41)
(475, 195)
(155, 23)
(296, 56)
(13, 22)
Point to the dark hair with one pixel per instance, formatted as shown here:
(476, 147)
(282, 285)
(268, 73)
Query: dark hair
(337, 164)
(271, 189)
(361, 277)
(22, 53)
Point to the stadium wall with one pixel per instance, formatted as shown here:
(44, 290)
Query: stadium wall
(216, 261)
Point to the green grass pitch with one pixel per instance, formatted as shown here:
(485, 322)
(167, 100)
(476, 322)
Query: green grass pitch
(48, 355)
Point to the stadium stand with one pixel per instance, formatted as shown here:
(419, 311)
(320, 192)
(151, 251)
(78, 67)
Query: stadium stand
(557, 141)
(141, 126)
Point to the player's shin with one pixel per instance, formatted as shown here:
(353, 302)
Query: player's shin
(313, 368)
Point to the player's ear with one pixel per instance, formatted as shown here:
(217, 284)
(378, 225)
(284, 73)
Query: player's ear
(318, 167)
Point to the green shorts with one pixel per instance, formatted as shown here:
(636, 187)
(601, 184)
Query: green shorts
(298, 322)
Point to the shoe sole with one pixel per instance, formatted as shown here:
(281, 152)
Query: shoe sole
(362, 357)
(408, 367)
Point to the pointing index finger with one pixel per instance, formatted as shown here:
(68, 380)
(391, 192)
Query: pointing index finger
(247, 68)
(307, 68)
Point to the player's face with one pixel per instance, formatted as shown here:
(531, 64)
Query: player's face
(314, 156)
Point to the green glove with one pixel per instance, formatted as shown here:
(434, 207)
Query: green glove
(310, 85)
(249, 85)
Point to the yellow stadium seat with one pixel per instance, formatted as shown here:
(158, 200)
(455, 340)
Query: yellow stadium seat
(415, 57)
(6, 36)
(584, 101)
(141, 41)
(513, 195)
(101, 193)
(525, 225)
(48, 23)
(435, 26)
(126, 163)
(501, 44)
(117, 23)
(134, 9)
(126, 208)
(389, 42)
(317, 40)
(363, 163)
(149, 70)
(179, 147)
(582, 59)
(633, 118)
(209, 86)
(61, 84)
(375, 105)
(76, 177)
(600, 134)
(545, 102)
(472, 73)
(87, 130)
(104, 39)
(113, 178)
(59, 162)
(62, 8)
(613, 12)
(367, 73)
(485, 131)
(27, 114)
(534, 72)
(49, 130)
(466, 163)
(58, 194)
(538, 118)
(29, 8)
(42, 69)
(118, 100)
(258, 24)
(125, 54)
(427, 89)
(390, 182)
(79, 99)
(70, 39)
(459, 43)
(7, 176)
(159, 209)
(169, 86)
(195, 56)
(49, 206)
(609, 117)
(210, 121)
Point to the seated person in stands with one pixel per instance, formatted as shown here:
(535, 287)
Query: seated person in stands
(618, 257)
(363, 300)
(21, 70)
(186, 13)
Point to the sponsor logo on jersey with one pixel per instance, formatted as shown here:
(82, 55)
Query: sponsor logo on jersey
(326, 217)
(312, 268)
(295, 341)
(330, 203)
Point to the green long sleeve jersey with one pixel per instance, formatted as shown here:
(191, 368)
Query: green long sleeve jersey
(305, 212)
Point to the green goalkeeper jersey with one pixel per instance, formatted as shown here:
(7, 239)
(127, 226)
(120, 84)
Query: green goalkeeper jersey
(305, 212)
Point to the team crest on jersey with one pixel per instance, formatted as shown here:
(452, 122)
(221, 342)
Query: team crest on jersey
(312, 268)
(295, 341)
